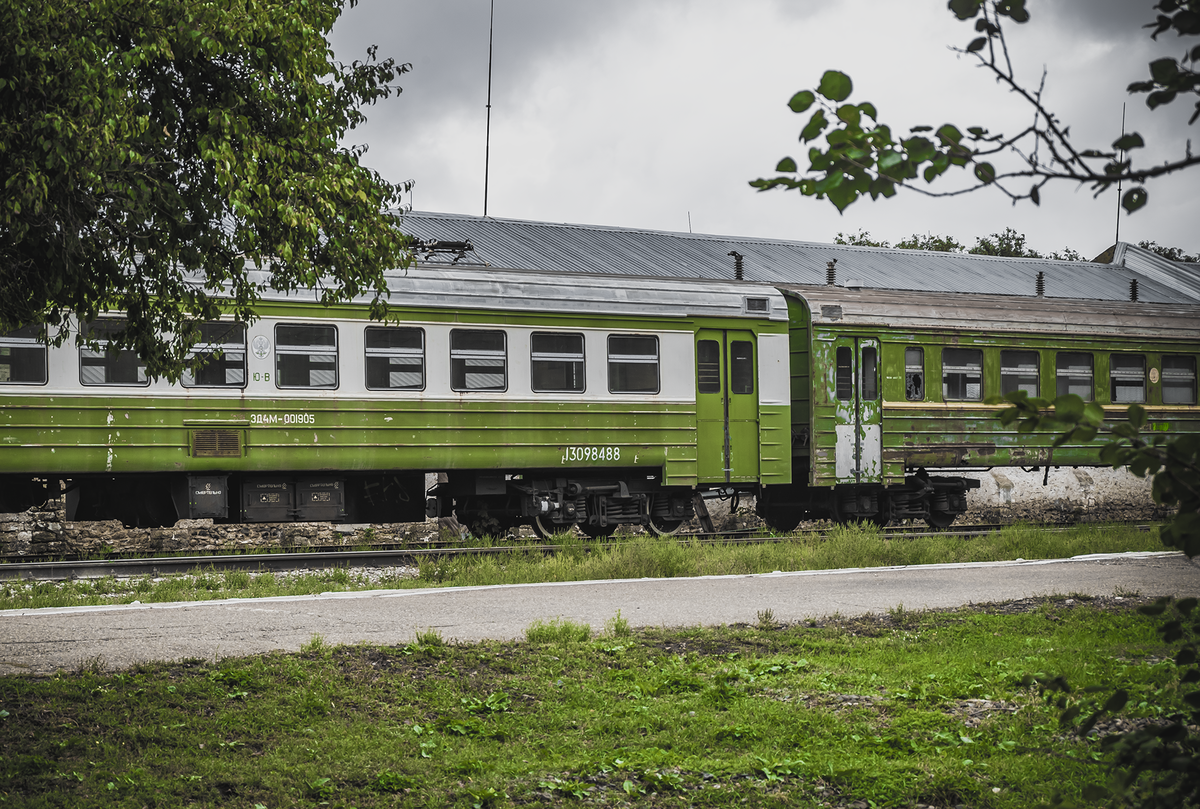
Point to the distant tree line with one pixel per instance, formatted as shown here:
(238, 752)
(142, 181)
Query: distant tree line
(1009, 244)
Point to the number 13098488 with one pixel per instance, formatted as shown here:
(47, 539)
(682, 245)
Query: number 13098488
(572, 454)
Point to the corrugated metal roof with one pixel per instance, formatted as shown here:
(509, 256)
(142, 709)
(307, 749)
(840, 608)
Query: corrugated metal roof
(472, 287)
(566, 248)
(1181, 277)
(995, 315)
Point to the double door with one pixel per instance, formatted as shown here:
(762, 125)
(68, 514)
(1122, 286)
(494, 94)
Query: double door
(726, 405)
(858, 412)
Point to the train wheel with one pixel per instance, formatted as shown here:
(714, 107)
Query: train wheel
(544, 530)
(664, 528)
(940, 519)
(780, 520)
(598, 531)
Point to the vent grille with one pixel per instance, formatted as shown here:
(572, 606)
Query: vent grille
(216, 443)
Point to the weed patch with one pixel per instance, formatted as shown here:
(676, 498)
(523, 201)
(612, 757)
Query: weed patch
(579, 560)
(902, 709)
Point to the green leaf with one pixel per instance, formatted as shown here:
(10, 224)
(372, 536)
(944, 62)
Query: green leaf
(835, 86)
(1157, 99)
(787, 164)
(816, 125)
(1131, 141)
(1134, 199)
(965, 9)
(977, 44)
(1165, 70)
(1117, 701)
(949, 133)
(1094, 793)
(802, 100)
(919, 149)
(985, 173)
(1068, 408)
(1136, 414)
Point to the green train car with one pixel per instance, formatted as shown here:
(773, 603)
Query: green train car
(544, 400)
(888, 384)
(557, 400)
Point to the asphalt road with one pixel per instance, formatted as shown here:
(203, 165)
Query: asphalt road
(48, 640)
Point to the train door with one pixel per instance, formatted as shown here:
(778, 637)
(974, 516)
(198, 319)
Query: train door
(858, 420)
(726, 405)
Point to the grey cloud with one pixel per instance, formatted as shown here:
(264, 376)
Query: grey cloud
(1109, 20)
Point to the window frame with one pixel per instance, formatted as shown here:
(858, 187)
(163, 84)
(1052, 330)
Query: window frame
(739, 367)
(946, 397)
(392, 352)
(632, 359)
(15, 340)
(1018, 372)
(922, 394)
(1059, 379)
(220, 347)
(1164, 376)
(465, 354)
(111, 357)
(553, 357)
(286, 349)
(1127, 376)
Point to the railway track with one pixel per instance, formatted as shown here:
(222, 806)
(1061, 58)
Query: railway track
(279, 560)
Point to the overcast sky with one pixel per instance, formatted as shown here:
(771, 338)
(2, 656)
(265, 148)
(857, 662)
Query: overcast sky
(639, 113)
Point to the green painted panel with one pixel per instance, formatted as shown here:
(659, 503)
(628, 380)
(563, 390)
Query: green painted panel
(76, 436)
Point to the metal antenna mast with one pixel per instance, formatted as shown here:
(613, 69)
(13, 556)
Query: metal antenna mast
(487, 148)
(1118, 237)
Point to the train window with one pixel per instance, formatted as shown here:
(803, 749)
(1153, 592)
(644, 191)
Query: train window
(708, 366)
(23, 356)
(870, 373)
(478, 360)
(219, 357)
(395, 358)
(962, 374)
(104, 365)
(556, 362)
(1074, 374)
(844, 374)
(914, 374)
(632, 363)
(1127, 378)
(306, 357)
(741, 366)
(1019, 371)
(1178, 380)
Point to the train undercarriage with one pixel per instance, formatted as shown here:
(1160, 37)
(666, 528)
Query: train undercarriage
(485, 503)
(596, 503)
(936, 500)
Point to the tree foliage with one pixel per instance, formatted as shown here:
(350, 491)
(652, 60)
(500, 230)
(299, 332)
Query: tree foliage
(1171, 253)
(1008, 243)
(153, 152)
(1157, 764)
(861, 156)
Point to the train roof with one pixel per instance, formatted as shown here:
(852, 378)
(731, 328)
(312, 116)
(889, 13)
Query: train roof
(468, 287)
(574, 249)
(995, 314)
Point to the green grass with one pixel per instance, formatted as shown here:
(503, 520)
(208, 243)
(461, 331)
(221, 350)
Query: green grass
(579, 560)
(885, 711)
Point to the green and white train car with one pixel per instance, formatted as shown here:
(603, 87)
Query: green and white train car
(542, 399)
(887, 384)
(573, 399)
